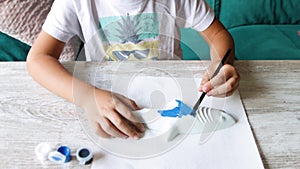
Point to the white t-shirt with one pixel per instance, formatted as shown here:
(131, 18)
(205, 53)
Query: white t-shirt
(127, 29)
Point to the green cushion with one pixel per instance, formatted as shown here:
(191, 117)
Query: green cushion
(193, 46)
(233, 13)
(267, 42)
(12, 49)
(263, 29)
(215, 4)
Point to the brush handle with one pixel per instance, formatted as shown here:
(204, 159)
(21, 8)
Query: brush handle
(215, 73)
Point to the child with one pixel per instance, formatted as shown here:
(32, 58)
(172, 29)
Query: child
(125, 30)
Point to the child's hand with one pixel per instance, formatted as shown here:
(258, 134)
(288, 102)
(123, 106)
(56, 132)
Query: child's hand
(223, 84)
(112, 117)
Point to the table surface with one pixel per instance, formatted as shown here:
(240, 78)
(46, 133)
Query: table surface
(29, 114)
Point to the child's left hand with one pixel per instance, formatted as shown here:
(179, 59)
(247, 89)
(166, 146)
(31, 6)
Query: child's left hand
(223, 84)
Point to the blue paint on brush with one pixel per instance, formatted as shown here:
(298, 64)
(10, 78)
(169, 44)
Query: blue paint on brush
(180, 110)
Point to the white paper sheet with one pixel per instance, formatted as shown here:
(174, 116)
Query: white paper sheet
(232, 148)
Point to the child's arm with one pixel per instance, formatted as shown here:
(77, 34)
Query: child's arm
(227, 80)
(107, 110)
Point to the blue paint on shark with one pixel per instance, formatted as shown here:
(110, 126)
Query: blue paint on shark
(180, 110)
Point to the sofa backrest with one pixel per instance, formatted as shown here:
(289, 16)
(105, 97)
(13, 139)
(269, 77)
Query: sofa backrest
(234, 13)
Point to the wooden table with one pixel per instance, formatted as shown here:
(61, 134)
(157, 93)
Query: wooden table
(29, 114)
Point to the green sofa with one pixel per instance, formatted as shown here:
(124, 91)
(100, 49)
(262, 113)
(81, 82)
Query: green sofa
(12, 49)
(261, 29)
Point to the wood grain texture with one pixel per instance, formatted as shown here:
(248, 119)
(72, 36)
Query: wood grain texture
(29, 114)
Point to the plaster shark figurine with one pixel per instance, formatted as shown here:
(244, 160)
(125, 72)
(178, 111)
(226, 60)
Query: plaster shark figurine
(181, 119)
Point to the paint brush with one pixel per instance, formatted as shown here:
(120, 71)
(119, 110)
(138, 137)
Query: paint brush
(196, 106)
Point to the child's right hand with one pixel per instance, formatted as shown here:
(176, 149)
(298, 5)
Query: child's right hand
(111, 115)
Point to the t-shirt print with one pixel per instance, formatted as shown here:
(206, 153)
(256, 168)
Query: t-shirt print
(130, 37)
